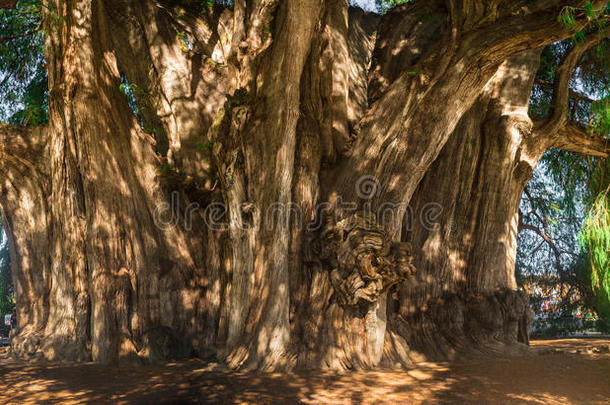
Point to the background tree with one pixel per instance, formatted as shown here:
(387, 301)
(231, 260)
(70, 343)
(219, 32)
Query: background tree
(564, 186)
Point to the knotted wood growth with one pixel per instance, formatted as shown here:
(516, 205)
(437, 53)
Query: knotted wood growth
(363, 259)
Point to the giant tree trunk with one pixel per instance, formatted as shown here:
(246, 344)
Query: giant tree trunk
(464, 293)
(25, 216)
(183, 231)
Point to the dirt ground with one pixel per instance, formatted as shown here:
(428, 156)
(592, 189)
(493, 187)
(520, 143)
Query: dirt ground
(568, 371)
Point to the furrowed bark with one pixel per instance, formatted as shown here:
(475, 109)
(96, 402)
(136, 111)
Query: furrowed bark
(334, 98)
(486, 163)
(573, 137)
(407, 112)
(24, 193)
(181, 228)
(123, 286)
(403, 132)
(260, 338)
(181, 83)
(176, 60)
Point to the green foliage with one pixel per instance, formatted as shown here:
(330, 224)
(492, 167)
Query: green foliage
(165, 169)
(542, 96)
(206, 146)
(384, 5)
(133, 93)
(600, 115)
(567, 17)
(595, 238)
(553, 204)
(595, 19)
(185, 45)
(563, 325)
(207, 5)
(551, 58)
(139, 102)
(566, 185)
(589, 9)
(23, 80)
(35, 99)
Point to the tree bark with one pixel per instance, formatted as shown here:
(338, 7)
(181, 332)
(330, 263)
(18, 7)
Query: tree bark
(464, 293)
(25, 215)
(8, 4)
(212, 222)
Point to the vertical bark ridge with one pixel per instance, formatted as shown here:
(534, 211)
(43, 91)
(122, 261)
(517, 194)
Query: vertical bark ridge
(268, 153)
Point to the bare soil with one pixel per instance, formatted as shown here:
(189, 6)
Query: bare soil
(566, 371)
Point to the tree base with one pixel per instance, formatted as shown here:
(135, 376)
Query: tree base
(460, 325)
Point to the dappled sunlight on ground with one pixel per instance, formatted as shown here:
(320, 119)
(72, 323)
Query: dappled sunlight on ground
(558, 376)
(570, 345)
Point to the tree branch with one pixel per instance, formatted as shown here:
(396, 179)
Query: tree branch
(546, 238)
(561, 86)
(7, 4)
(25, 34)
(573, 137)
(411, 111)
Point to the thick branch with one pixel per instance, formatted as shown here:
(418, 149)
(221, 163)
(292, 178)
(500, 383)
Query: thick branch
(415, 129)
(573, 137)
(566, 135)
(8, 3)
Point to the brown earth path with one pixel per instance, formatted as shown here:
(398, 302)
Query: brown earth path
(569, 371)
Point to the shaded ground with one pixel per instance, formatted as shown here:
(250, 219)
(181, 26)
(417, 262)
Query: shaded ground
(559, 375)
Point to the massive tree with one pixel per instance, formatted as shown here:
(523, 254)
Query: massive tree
(258, 206)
